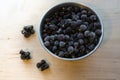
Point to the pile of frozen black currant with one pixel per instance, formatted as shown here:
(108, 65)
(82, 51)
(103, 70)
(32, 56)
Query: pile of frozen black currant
(25, 55)
(28, 31)
(42, 65)
(71, 31)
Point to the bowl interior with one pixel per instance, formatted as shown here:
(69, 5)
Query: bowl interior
(57, 7)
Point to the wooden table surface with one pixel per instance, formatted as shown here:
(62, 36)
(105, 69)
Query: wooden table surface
(104, 64)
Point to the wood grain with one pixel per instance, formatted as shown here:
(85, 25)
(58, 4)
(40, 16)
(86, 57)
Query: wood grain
(104, 64)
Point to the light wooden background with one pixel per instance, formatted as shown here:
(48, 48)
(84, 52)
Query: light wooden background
(104, 64)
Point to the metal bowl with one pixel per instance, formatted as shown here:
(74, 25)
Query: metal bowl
(54, 9)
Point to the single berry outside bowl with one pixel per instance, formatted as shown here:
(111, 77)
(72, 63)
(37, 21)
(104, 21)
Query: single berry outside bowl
(82, 29)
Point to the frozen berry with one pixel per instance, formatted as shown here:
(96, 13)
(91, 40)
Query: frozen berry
(69, 9)
(83, 28)
(91, 47)
(82, 48)
(86, 41)
(26, 28)
(61, 37)
(81, 41)
(56, 43)
(47, 20)
(44, 67)
(70, 43)
(70, 49)
(32, 31)
(80, 35)
(97, 25)
(78, 13)
(54, 48)
(67, 22)
(84, 12)
(23, 31)
(25, 55)
(61, 14)
(73, 24)
(22, 52)
(47, 38)
(90, 13)
(59, 30)
(52, 26)
(93, 18)
(75, 17)
(84, 17)
(61, 54)
(26, 34)
(66, 54)
(76, 9)
(44, 35)
(76, 50)
(31, 27)
(62, 44)
(55, 36)
(67, 37)
(68, 30)
(43, 61)
(54, 21)
(92, 35)
(66, 16)
(98, 32)
(47, 43)
(76, 44)
(86, 33)
(96, 41)
(46, 26)
(86, 23)
(78, 22)
(40, 63)
(52, 37)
